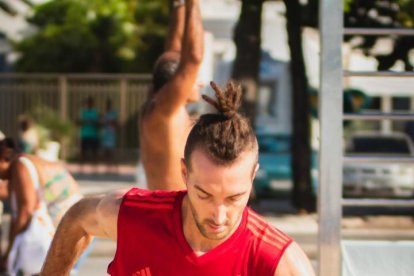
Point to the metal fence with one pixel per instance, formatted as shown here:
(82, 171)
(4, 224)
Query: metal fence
(331, 160)
(20, 93)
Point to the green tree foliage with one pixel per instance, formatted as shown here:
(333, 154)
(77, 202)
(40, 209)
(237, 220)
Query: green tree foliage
(152, 19)
(9, 9)
(94, 36)
(383, 14)
(374, 14)
(54, 127)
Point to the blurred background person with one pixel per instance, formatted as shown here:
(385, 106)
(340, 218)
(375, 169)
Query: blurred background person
(40, 192)
(109, 136)
(89, 131)
(28, 136)
(165, 123)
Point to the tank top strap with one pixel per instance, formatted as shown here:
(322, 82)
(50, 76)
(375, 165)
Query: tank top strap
(32, 171)
(35, 179)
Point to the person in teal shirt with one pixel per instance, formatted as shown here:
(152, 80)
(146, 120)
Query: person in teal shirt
(89, 131)
(108, 139)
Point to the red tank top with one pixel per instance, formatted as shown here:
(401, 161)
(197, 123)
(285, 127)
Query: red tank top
(151, 241)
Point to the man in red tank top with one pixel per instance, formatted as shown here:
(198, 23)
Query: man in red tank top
(206, 230)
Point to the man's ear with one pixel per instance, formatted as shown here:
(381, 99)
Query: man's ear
(184, 171)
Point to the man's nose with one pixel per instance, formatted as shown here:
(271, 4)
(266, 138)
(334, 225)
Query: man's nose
(220, 214)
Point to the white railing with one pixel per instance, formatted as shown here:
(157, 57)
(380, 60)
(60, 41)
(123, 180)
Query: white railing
(19, 93)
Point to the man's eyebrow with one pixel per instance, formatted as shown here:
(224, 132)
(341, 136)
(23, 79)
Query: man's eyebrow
(201, 190)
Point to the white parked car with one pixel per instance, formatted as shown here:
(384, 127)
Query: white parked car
(379, 179)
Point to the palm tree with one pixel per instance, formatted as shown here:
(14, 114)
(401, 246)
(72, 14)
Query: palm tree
(302, 196)
(246, 70)
(247, 37)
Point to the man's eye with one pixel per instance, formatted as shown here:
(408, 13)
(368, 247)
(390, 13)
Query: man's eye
(234, 199)
(203, 196)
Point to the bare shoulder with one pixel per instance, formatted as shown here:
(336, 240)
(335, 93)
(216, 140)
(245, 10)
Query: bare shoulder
(20, 175)
(107, 212)
(110, 203)
(294, 262)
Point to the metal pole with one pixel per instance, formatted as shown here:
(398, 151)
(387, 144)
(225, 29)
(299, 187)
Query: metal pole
(354, 159)
(377, 116)
(64, 99)
(330, 157)
(122, 112)
(63, 91)
(376, 31)
(412, 103)
(376, 74)
(371, 202)
(386, 107)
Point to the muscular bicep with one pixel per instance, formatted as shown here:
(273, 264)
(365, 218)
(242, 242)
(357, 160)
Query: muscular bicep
(294, 262)
(107, 213)
(95, 215)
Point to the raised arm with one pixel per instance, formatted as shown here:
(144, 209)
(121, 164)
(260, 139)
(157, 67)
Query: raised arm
(294, 262)
(93, 216)
(176, 28)
(175, 93)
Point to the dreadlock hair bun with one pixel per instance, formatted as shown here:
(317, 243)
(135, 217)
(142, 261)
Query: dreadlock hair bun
(226, 135)
(228, 100)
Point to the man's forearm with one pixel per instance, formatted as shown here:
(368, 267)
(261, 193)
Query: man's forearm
(70, 240)
(64, 252)
(193, 40)
(176, 27)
